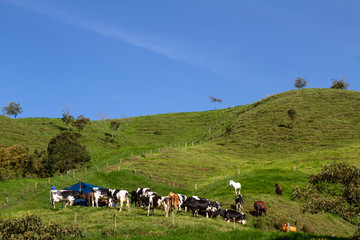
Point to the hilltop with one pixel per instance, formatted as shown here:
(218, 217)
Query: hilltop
(256, 144)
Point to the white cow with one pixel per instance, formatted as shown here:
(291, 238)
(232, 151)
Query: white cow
(120, 196)
(236, 186)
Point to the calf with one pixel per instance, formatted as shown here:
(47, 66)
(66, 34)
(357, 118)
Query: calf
(182, 199)
(67, 196)
(287, 228)
(260, 207)
(156, 201)
(239, 203)
(278, 189)
(88, 198)
(100, 195)
(174, 201)
(228, 215)
(119, 196)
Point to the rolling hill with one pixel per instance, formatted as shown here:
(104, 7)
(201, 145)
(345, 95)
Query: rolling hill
(255, 144)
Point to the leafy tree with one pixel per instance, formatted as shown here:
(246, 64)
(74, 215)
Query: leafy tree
(336, 189)
(66, 117)
(12, 109)
(300, 83)
(14, 161)
(215, 100)
(80, 122)
(65, 152)
(292, 116)
(114, 125)
(339, 84)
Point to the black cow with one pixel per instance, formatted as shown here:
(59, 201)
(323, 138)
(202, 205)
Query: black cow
(239, 202)
(197, 204)
(228, 215)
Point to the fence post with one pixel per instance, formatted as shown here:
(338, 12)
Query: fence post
(195, 186)
(74, 218)
(134, 171)
(294, 168)
(35, 184)
(185, 145)
(234, 223)
(173, 218)
(119, 168)
(60, 176)
(7, 201)
(114, 221)
(97, 168)
(150, 176)
(49, 179)
(192, 144)
(158, 149)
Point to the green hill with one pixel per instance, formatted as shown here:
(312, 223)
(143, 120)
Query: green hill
(175, 151)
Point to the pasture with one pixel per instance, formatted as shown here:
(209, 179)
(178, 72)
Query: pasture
(174, 152)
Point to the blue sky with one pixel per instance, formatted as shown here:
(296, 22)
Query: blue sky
(146, 57)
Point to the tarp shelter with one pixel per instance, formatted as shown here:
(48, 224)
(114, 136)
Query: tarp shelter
(83, 187)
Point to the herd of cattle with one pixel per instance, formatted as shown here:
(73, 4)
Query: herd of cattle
(144, 197)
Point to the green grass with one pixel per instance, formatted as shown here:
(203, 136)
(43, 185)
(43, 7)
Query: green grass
(262, 146)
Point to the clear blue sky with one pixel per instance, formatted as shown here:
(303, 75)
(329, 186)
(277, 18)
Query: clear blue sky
(147, 57)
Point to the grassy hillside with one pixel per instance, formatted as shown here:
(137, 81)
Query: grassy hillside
(262, 146)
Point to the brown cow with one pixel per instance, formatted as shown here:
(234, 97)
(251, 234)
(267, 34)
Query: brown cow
(88, 197)
(174, 201)
(260, 207)
(278, 189)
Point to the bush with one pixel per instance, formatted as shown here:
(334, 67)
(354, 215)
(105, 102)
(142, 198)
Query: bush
(65, 152)
(32, 227)
(339, 84)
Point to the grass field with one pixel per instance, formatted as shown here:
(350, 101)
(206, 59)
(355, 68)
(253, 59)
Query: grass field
(175, 151)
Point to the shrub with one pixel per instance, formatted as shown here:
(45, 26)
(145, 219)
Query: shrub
(32, 227)
(339, 84)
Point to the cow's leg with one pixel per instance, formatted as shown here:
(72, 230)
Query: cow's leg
(121, 205)
(128, 204)
(207, 214)
(152, 212)
(148, 210)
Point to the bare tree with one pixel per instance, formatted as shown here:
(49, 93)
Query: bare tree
(215, 100)
(102, 119)
(66, 117)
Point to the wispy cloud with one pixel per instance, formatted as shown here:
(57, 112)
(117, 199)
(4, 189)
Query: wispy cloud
(150, 43)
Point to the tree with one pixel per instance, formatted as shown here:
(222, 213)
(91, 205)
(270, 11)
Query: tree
(67, 118)
(114, 125)
(339, 84)
(300, 83)
(292, 115)
(102, 119)
(214, 100)
(12, 109)
(80, 123)
(65, 152)
(336, 189)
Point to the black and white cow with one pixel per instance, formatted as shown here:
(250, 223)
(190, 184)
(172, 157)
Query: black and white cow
(239, 202)
(156, 201)
(182, 199)
(67, 196)
(137, 196)
(196, 204)
(229, 215)
(101, 194)
(119, 196)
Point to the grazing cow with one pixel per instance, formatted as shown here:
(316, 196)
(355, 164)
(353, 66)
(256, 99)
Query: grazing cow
(182, 199)
(239, 202)
(287, 228)
(228, 215)
(136, 196)
(174, 201)
(67, 196)
(156, 201)
(101, 194)
(278, 189)
(260, 207)
(119, 196)
(236, 186)
(88, 198)
(197, 204)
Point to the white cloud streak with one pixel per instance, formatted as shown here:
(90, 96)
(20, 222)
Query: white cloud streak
(142, 41)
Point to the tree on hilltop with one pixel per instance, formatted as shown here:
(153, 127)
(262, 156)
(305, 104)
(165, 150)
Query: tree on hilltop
(300, 83)
(12, 109)
(215, 100)
(339, 84)
(80, 122)
(66, 117)
(114, 126)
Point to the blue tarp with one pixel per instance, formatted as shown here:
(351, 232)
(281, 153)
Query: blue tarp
(83, 187)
